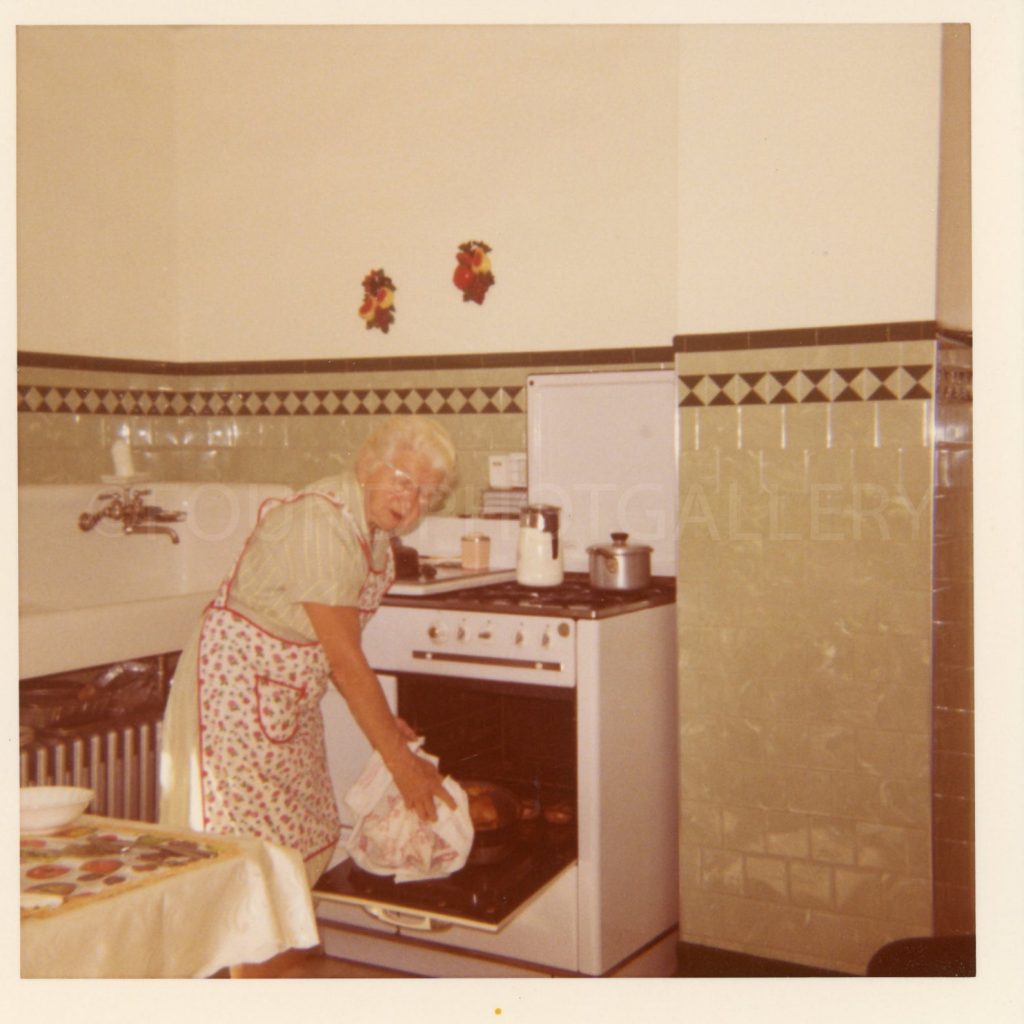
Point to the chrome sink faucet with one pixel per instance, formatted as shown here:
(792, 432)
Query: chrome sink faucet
(135, 516)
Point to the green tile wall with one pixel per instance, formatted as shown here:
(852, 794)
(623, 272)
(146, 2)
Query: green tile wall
(288, 427)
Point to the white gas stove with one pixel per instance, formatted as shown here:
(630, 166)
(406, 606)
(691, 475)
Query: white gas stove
(564, 695)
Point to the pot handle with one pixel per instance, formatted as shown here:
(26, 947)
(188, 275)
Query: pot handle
(620, 538)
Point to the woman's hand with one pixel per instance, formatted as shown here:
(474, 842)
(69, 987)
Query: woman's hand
(420, 783)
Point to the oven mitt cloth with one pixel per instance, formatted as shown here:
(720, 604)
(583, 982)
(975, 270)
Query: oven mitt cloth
(390, 839)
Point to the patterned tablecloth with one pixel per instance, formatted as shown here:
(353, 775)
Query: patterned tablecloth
(106, 898)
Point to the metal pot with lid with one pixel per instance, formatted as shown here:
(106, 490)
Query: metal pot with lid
(620, 565)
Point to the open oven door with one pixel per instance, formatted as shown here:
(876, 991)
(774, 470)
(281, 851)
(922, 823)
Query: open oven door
(477, 897)
(542, 930)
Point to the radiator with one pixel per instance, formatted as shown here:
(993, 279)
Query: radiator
(119, 762)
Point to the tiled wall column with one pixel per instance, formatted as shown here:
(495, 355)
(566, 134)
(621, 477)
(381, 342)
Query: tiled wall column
(805, 640)
(953, 648)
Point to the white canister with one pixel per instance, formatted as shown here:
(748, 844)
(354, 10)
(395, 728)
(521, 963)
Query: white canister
(539, 552)
(476, 551)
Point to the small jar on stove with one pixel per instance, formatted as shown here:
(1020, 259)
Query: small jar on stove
(476, 551)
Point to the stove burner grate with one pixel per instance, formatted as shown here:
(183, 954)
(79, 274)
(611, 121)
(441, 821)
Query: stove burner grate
(574, 597)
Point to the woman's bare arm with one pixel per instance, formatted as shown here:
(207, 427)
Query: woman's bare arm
(337, 629)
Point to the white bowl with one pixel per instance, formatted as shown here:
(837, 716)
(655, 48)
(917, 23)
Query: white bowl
(49, 808)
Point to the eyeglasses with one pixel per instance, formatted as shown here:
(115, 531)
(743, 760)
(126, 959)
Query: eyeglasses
(405, 485)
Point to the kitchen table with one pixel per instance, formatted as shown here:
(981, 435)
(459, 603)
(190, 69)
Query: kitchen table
(109, 898)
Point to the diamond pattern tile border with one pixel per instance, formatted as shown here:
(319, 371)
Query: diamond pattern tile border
(762, 387)
(843, 384)
(289, 402)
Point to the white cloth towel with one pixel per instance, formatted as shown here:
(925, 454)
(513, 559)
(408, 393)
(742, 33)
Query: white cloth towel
(390, 839)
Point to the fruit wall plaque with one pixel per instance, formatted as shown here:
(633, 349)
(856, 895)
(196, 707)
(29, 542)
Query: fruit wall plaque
(473, 271)
(378, 308)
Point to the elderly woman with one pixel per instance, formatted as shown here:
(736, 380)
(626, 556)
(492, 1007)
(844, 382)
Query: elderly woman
(243, 741)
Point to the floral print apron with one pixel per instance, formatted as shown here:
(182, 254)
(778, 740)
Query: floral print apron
(262, 758)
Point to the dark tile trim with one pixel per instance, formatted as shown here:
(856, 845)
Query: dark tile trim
(952, 334)
(56, 360)
(803, 337)
(485, 360)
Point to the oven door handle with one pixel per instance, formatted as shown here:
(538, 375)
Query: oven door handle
(401, 919)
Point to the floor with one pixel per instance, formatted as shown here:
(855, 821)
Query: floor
(944, 957)
(317, 965)
(313, 964)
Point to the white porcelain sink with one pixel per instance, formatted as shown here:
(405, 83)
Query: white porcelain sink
(88, 598)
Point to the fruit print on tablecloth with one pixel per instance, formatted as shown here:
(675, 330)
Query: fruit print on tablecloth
(92, 860)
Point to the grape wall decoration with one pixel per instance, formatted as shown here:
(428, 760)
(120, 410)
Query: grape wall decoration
(378, 308)
(473, 271)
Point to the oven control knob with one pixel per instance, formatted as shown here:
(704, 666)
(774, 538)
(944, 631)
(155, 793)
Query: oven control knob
(436, 632)
(520, 637)
(486, 633)
(545, 640)
(460, 633)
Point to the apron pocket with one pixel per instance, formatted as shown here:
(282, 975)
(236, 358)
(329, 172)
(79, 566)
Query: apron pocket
(277, 705)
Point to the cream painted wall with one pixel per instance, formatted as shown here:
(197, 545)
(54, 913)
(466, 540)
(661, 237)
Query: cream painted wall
(97, 260)
(808, 175)
(280, 165)
(219, 193)
(310, 156)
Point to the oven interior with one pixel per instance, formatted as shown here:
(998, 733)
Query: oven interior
(520, 736)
